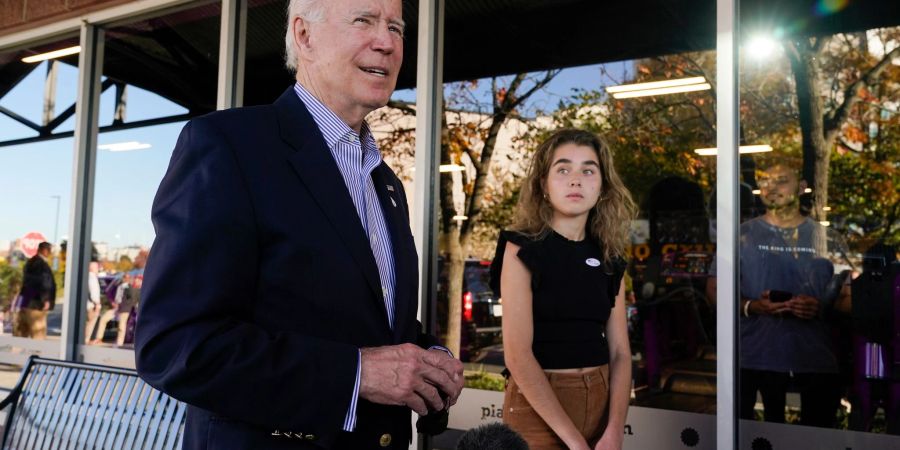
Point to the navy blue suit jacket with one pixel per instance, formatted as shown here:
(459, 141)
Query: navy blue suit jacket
(261, 286)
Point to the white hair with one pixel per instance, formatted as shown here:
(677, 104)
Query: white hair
(310, 11)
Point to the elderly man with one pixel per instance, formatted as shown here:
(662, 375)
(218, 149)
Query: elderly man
(279, 300)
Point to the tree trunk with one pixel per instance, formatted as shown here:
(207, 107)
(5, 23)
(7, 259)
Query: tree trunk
(450, 235)
(455, 272)
(816, 150)
(459, 233)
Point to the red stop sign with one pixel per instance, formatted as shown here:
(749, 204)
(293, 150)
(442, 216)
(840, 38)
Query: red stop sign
(29, 243)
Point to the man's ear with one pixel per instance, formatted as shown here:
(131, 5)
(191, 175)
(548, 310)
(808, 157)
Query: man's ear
(300, 32)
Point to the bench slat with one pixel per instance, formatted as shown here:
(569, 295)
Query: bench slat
(141, 435)
(131, 421)
(82, 394)
(98, 410)
(61, 405)
(162, 437)
(69, 409)
(122, 389)
(120, 423)
(55, 381)
(55, 410)
(18, 431)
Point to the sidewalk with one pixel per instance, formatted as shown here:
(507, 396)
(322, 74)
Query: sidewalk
(9, 375)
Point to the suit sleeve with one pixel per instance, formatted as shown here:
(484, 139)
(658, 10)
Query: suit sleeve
(195, 339)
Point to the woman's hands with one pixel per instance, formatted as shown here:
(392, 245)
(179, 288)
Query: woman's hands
(611, 440)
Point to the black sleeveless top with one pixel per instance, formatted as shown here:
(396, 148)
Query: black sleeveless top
(573, 292)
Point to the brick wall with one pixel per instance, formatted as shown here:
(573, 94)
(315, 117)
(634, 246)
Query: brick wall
(18, 15)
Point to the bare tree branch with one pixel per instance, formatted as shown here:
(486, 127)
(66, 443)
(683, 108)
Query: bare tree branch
(548, 76)
(403, 107)
(467, 149)
(837, 117)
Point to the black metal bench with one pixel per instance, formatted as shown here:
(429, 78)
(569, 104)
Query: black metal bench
(63, 405)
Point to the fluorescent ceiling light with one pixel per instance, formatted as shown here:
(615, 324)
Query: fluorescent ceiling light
(452, 168)
(655, 85)
(124, 146)
(659, 87)
(52, 55)
(825, 223)
(807, 190)
(826, 208)
(459, 217)
(744, 149)
(756, 192)
(663, 91)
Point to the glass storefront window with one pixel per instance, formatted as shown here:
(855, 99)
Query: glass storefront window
(671, 322)
(36, 179)
(819, 276)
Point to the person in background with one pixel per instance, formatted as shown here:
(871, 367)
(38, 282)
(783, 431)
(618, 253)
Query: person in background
(560, 270)
(38, 295)
(127, 305)
(94, 305)
(787, 268)
(115, 300)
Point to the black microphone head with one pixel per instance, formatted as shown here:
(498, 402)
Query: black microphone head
(492, 436)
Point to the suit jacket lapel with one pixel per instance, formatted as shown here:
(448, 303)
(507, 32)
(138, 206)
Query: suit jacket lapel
(316, 167)
(397, 218)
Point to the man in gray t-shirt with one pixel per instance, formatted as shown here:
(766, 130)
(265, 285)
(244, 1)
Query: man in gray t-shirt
(787, 265)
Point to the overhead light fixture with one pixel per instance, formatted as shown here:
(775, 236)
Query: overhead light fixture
(744, 149)
(807, 190)
(124, 146)
(659, 87)
(825, 223)
(52, 55)
(826, 208)
(452, 168)
(460, 217)
(756, 192)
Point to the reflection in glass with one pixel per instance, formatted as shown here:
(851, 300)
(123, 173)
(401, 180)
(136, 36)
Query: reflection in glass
(793, 270)
(670, 320)
(818, 274)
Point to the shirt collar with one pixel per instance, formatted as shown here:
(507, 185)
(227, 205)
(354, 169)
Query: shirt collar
(332, 127)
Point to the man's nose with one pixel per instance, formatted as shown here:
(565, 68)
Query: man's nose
(384, 39)
(575, 181)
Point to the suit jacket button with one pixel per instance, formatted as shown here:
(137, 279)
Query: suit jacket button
(385, 440)
(310, 437)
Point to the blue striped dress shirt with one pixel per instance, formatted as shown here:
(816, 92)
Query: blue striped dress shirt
(356, 156)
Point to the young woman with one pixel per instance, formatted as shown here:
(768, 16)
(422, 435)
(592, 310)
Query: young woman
(560, 271)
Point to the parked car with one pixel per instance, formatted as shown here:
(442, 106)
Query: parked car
(481, 310)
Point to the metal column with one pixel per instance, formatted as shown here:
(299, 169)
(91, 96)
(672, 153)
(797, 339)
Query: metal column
(429, 108)
(232, 50)
(87, 107)
(727, 223)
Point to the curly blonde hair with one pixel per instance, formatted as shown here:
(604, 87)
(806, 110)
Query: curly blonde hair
(609, 220)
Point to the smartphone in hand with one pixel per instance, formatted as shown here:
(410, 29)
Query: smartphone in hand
(776, 296)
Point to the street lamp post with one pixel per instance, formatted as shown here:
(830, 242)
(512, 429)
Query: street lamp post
(56, 222)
